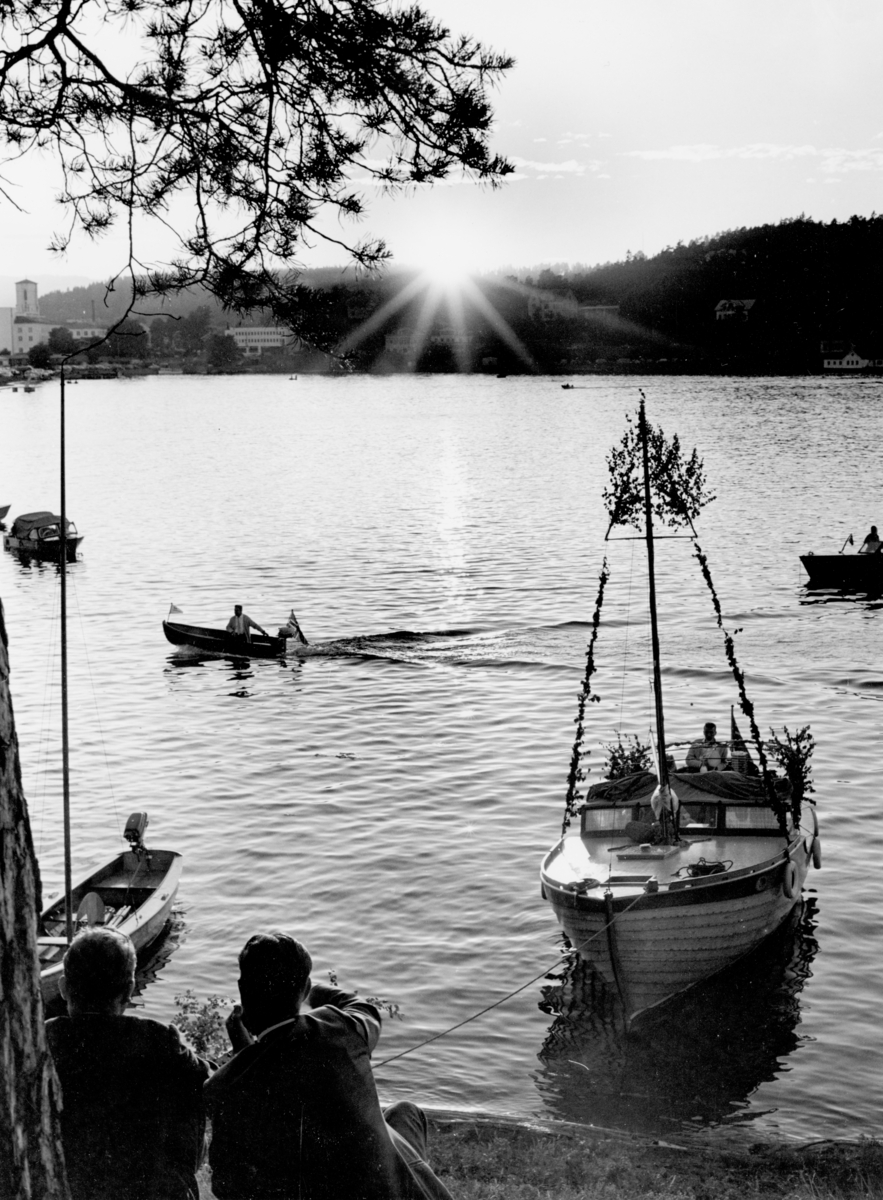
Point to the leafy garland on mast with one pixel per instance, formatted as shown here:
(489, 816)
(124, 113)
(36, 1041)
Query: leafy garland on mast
(577, 773)
(678, 493)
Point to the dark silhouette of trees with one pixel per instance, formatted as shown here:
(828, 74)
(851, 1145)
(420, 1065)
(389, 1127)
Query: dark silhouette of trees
(223, 353)
(128, 340)
(61, 340)
(260, 110)
(40, 355)
(194, 329)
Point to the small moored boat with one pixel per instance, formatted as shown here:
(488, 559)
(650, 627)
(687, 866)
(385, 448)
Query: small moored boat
(132, 893)
(674, 875)
(38, 535)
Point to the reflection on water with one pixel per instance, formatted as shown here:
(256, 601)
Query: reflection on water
(700, 1058)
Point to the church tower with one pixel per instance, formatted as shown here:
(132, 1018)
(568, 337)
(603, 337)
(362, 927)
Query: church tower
(26, 302)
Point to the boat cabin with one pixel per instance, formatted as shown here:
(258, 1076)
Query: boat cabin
(40, 526)
(711, 802)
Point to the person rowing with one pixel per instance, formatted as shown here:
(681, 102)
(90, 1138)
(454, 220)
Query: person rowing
(872, 543)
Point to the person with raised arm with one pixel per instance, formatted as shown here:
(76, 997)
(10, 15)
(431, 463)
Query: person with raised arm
(295, 1112)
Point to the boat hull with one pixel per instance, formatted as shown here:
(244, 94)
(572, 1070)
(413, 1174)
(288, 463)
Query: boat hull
(656, 919)
(218, 641)
(138, 891)
(660, 945)
(45, 551)
(850, 572)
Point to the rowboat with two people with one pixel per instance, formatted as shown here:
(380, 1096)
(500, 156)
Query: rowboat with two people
(229, 643)
(859, 572)
(38, 535)
(675, 873)
(133, 891)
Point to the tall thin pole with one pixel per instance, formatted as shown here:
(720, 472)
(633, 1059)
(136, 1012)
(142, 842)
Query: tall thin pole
(65, 748)
(654, 623)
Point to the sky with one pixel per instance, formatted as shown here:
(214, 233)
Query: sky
(632, 125)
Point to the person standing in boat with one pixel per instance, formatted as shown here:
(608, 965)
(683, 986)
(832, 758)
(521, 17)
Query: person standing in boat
(241, 624)
(872, 543)
(133, 1116)
(707, 753)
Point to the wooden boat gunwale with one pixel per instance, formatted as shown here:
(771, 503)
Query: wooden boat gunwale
(143, 923)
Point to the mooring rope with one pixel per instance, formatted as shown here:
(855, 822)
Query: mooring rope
(496, 1004)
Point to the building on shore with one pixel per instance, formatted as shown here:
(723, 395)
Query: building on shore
(255, 340)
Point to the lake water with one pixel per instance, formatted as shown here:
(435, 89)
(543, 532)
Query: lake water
(388, 798)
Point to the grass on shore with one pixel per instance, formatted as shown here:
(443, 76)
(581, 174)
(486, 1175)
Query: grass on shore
(504, 1162)
(487, 1160)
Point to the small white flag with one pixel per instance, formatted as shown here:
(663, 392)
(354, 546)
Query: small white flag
(173, 608)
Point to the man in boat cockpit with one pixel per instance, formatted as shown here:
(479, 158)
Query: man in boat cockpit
(707, 753)
(241, 624)
(133, 1117)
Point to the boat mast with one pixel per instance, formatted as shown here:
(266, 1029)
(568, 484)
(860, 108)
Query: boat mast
(654, 624)
(65, 755)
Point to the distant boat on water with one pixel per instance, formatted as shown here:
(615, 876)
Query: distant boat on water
(38, 535)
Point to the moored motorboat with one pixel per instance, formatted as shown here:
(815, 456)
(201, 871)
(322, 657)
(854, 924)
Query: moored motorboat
(133, 893)
(655, 919)
(674, 875)
(38, 535)
(845, 572)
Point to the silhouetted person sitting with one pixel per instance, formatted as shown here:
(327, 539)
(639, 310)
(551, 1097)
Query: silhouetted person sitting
(132, 1121)
(872, 543)
(295, 1114)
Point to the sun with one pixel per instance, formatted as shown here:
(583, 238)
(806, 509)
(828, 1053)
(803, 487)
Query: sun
(446, 267)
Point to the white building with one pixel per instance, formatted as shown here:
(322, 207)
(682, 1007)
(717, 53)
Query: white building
(253, 340)
(411, 341)
(851, 361)
(733, 310)
(544, 305)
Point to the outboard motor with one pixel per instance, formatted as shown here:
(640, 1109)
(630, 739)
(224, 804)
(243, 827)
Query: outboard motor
(134, 832)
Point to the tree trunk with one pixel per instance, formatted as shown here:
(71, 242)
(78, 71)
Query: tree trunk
(31, 1158)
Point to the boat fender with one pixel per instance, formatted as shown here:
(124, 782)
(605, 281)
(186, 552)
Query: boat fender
(789, 880)
(761, 883)
(816, 847)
